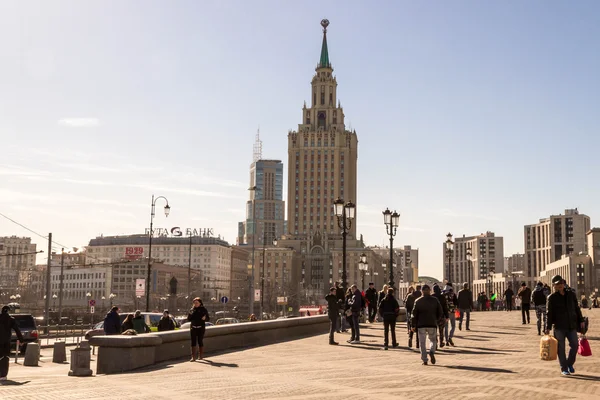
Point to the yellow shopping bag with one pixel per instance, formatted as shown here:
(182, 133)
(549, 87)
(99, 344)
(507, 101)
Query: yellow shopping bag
(548, 348)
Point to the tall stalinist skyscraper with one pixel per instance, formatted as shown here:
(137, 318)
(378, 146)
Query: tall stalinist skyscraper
(322, 157)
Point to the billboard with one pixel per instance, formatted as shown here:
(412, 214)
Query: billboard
(133, 253)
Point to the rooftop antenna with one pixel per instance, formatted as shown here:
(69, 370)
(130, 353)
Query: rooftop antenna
(257, 147)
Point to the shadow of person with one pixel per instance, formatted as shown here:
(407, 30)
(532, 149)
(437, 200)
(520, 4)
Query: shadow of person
(13, 383)
(479, 369)
(586, 377)
(219, 364)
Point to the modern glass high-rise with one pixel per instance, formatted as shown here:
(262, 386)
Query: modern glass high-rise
(266, 203)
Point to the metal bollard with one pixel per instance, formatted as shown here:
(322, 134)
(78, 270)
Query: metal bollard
(17, 353)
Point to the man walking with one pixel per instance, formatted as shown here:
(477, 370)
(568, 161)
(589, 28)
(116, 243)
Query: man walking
(539, 302)
(465, 305)
(410, 304)
(525, 295)
(452, 301)
(565, 315)
(333, 311)
(426, 314)
(371, 296)
(356, 306)
(388, 309)
(508, 298)
(7, 325)
(437, 293)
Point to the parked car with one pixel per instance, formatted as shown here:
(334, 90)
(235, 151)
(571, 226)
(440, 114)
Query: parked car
(227, 321)
(26, 324)
(152, 320)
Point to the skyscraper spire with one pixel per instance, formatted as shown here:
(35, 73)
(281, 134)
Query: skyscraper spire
(324, 60)
(257, 155)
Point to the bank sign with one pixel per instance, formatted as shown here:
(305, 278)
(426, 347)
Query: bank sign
(179, 232)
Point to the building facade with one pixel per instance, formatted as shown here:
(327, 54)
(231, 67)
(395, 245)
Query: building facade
(593, 249)
(406, 260)
(551, 238)
(577, 270)
(487, 257)
(16, 254)
(77, 283)
(210, 257)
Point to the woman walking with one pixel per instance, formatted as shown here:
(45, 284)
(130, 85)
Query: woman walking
(388, 309)
(380, 297)
(197, 317)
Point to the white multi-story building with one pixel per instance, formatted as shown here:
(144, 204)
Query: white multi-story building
(77, 283)
(487, 257)
(406, 259)
(551, 238)
(210, 256)
(17, 254)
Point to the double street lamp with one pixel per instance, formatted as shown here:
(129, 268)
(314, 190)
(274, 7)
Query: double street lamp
(449, 249)
(111, 297)
(345, 213)
(363, 265)
(391, 221)
(152, 209)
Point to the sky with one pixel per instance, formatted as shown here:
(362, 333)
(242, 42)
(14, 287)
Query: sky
(471, 116)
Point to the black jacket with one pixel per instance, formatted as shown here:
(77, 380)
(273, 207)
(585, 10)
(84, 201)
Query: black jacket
(195, 316)
(371, 295)
(166, 324)
(427, 312)
(538, 297)
(465, 300)
(389, 307)
(442, 299)
(409, 303)
(563, 312)
(525, 295)
(112, 323)
(127, 325)
(356, 301)
(333, 306)
(339, 293)
(508, 293)
(7, 325)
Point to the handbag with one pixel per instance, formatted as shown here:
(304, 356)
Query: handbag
(584, 349)
(457, 313)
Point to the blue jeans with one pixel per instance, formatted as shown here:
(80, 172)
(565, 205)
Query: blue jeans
(423, 333)
(462, 313)
(355, 323)
(571, 336)
(452, 323)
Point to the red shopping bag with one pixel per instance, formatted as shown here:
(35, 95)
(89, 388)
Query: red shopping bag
(584, 349)
(457, 313)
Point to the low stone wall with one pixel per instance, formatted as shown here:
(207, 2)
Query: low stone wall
(120, 353)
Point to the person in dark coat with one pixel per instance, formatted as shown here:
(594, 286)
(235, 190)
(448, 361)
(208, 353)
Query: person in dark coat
(333, 311)
(7, 325)
(348, 314)
(565, 316)
(166, 323)
(139, 323)
(409, 304)
(339, 292)
(356, 305)
(197, 316)
(525, 295)
(112, 322)
(465, 305)
(437, 293)
(508, 298)
(371, 296)
(388, 309)
(427, 313)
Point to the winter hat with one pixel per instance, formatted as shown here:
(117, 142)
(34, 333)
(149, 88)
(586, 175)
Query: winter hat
(5, 309)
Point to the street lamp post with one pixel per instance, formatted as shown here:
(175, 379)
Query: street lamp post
(103, 298)
(111, 297)
(345, 213)
(469, 255)
(88, 296)
(251, 286)
(363, 266)
(449, 248)
(391, 221)
(150, 234)
(54, 296)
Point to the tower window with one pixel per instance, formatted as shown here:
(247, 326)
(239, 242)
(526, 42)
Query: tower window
(321, 120)
(322, 95)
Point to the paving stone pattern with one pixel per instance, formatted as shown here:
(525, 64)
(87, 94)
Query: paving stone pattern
(497, 359)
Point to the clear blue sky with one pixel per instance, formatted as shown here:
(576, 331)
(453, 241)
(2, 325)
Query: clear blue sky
(471, 115)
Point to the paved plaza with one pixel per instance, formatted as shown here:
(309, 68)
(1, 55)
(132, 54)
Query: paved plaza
(497, 359)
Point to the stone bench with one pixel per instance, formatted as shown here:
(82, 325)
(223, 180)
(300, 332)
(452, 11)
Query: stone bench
(118, 353)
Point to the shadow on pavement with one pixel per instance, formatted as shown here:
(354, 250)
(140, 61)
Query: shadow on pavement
(586, 378)
(13, 383)
(219, 364)
(479, 369)
(465, 351)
